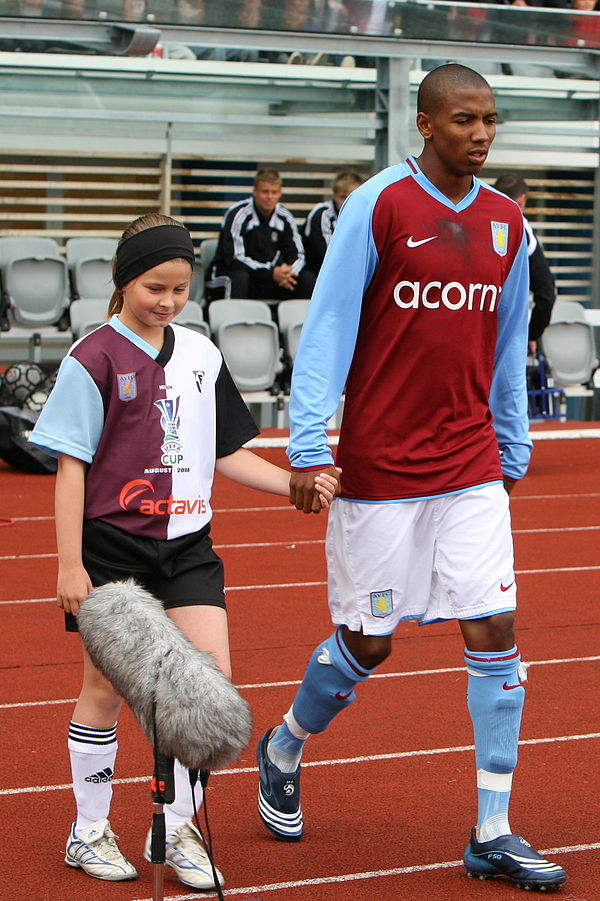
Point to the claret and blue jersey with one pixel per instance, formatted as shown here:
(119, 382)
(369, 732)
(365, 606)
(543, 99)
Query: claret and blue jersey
(420, 313)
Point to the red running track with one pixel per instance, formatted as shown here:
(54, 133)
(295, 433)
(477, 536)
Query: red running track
(389, 792)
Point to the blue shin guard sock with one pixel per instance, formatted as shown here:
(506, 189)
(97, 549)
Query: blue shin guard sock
(327, 687)
(495, 699)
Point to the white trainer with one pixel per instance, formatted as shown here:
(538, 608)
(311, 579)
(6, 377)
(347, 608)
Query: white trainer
(95, 851)
(186, 854)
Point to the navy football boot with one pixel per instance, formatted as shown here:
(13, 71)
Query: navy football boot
(278, 796)
(513, 857)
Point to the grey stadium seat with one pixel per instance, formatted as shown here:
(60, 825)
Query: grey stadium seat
(86, 315)
(90, 264)
(196, 294)
(192, 317)
(34, 281)
(291, 315)
(249, 341)
(568, 344)
(208, 249)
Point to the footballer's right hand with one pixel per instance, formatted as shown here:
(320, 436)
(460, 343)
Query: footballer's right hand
(305, 492)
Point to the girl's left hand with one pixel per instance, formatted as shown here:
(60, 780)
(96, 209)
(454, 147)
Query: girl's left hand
(327, 486)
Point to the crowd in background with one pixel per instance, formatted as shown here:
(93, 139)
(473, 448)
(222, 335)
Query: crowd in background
(362, 16)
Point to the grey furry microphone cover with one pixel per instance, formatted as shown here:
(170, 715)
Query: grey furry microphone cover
(201, 719)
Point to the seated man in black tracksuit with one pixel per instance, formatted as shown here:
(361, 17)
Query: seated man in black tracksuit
(322, 219)
(260, 254)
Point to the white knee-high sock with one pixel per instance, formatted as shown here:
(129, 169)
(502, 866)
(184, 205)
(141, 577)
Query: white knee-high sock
(182, 808)
(93, 753)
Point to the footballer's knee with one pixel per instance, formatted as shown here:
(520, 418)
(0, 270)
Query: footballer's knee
(490, 633)
(368, 650)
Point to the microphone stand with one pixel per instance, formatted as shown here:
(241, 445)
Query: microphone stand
(163, 792)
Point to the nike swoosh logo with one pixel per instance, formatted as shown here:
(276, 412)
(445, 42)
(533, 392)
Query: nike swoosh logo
(506, 587)
(342, 697)
(412, 243)
(508, 687)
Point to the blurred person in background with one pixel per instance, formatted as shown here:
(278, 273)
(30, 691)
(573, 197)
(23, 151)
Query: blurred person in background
(322, 219)
(541, 280)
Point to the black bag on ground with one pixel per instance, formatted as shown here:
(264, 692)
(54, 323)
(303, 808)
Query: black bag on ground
(24, 388)
(16, 425)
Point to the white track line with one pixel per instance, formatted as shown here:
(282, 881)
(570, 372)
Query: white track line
(248, 686)
(549, 497)
(558, 569)
(28, 557)
(338, 761)
(37, 703)
(288, 507)
(403, 675)
(291, 543)
(355, 877)
(559, 529)
(567, 434)
(273, 586)
(549, 435)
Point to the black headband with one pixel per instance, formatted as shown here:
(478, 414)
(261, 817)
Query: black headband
(150, 248)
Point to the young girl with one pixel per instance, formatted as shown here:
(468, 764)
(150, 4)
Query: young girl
(142, 415)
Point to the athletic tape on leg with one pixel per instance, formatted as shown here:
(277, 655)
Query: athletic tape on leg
(328, 684)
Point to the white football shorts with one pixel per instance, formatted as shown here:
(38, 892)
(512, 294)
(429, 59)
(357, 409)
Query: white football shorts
(443, 558)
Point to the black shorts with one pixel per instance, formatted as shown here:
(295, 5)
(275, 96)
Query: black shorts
(182, 572)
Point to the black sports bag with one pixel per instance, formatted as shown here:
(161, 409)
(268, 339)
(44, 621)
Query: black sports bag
(16, 424)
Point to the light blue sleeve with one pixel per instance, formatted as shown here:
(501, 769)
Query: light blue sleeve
(72, 418)
(329, 332)
(508, 395)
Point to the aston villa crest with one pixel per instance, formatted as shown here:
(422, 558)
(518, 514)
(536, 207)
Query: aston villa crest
(126, 386)
(500, 237)
(382, 602)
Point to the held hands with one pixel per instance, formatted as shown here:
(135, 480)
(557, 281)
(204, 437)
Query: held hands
(312, 491)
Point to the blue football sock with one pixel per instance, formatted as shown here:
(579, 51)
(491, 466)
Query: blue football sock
(328, 684)
(495, 699)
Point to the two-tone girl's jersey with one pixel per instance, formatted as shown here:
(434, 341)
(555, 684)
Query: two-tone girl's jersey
(150, 424)
(420, 314)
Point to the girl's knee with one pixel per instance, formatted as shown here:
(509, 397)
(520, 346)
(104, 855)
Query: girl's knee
(99, 695)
